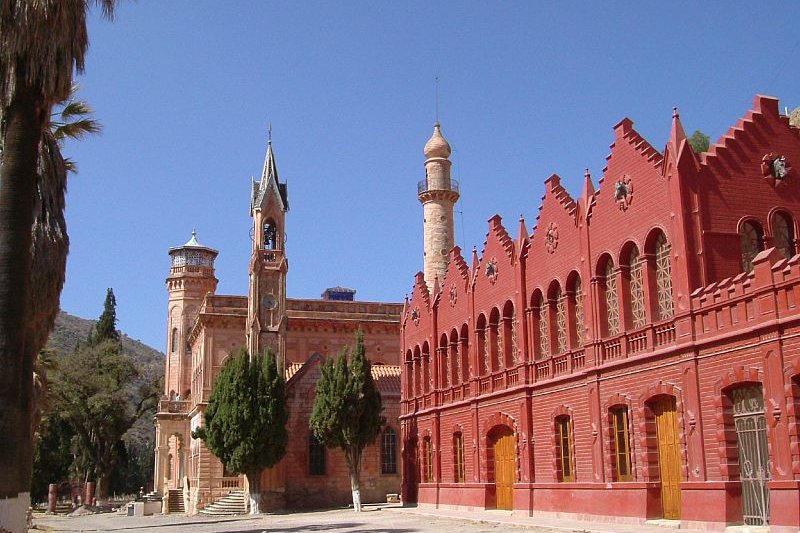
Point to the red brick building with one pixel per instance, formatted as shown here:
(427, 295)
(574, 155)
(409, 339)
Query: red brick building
(637, 356)
(204, 328)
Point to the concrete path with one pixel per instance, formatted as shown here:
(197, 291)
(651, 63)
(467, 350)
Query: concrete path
(375, 519)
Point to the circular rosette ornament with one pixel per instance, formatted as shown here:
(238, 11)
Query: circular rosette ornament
(775, 168)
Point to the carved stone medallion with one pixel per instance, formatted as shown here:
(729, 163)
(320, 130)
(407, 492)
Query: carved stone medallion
(491, 270)
(623, 192)
(551, 238)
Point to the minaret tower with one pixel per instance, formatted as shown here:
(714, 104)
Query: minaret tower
(191, 277)
(266, 317)
(438, 194)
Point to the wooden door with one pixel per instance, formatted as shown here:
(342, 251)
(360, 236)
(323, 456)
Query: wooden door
(504, 468)
(669, 456)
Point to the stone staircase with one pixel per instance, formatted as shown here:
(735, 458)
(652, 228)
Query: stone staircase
(175, 502)
(234, 503)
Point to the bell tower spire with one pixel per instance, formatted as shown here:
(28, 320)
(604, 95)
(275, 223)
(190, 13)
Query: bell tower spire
(438, 193)
(266, 315)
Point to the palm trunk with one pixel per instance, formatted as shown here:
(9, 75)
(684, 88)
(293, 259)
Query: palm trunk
(17, 190)
(254, 482)
(353, 456)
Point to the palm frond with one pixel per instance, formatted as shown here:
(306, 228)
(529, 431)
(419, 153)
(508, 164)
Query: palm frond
(76, 130)
(75, 108)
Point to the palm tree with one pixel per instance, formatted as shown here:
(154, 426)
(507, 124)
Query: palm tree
(41, 43)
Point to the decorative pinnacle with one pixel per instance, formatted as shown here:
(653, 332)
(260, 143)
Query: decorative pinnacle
(269, 133)
(675, 112)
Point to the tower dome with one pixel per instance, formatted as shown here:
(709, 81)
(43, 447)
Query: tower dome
(437, 145)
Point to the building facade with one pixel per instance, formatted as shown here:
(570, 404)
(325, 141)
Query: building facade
(204, 328)
(637, 356)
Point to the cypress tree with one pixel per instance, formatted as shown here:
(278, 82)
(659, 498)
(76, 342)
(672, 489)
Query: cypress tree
(347, 410)
(106, 327)
(245, 420)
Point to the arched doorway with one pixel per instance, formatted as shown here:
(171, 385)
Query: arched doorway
(669, 455)
(505, 464)
(752, 445)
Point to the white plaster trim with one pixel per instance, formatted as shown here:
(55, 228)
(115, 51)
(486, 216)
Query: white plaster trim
(14, 513)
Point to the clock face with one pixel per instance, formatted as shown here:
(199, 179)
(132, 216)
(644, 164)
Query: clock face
(269, 301)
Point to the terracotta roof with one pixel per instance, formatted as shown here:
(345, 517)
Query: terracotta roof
(387, 378)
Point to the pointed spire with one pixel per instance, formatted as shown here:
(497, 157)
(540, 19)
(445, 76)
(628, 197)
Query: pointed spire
(522, 238)
(436, 288)
(475, 260)
(677, 134)
(678, 143)
(588, 186)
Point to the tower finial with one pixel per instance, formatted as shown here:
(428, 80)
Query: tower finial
(436, 82)
(675, 112)
(269, 133)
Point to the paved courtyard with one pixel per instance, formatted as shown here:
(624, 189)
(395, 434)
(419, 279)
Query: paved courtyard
(374, 519)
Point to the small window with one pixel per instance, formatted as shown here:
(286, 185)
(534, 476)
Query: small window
(458, 457)
(666, 307)
(577, 319)
(427, 460)
(752, 242)
(636, 286)
(564, 449)
(612, 304)
(783, 234)
(269, 235)
(389, 452)
(316, 456)
(174, 340)
(622, 447)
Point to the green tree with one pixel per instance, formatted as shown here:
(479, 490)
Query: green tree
(106, 327)
(245, 420)
(699, 142)
(41, 44)
(347, 410)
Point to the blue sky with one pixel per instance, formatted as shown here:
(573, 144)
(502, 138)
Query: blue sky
(185, 91)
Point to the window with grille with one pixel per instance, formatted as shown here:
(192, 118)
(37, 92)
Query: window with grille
(427, 460)
(426, 362)
(499, 354)
(579, 327)
(752, 242)
(544, 338)
(458, 457)
(561, 321)
(638, 317)
(445, 364)
(664, 279)
(514, 346)
(622, 448)
(783, 234)
(389, 452)
(455, 358)
(612, 304)
(564, 449)
(174, 340)
(316, 456)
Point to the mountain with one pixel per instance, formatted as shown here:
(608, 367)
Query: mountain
(71, 330)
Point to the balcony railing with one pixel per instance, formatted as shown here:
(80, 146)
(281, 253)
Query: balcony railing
(423, 187)
(173, 406)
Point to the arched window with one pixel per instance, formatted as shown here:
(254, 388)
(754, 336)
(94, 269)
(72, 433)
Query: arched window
(666, 307)
(751, 237)
(495, 341)
(426, 368)
(444, 362)
(464, 353)
(483, 341)
(636, 289)
(544, 334)
(455, 358)
(509, 335)
(316, 456)
(612, 303)
(578, 330)
(409, 374)
(417, 372)
(621, 443)
(458, 457)
(783, 234)
(389, 451)
(564, 449)
(174, 340)
(561, 320)
(427, 460)
(270, 235)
